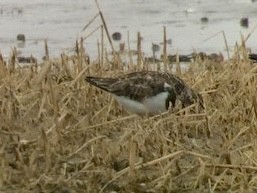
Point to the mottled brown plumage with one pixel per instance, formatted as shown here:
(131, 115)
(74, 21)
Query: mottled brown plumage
(139, 86)
(253, 57)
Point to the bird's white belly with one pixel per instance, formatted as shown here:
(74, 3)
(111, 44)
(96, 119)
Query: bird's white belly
(152, 105)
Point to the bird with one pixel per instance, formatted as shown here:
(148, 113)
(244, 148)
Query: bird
(253, 57)
(116, 36)
(147, 92)
(155, 47)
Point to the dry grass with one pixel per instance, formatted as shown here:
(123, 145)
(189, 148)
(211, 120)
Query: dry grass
(59, 134)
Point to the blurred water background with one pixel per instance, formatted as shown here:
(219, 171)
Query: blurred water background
(62, 21)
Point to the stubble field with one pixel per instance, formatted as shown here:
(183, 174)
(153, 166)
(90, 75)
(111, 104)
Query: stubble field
(59, 134)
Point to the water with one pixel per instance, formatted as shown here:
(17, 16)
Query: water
(62, 21)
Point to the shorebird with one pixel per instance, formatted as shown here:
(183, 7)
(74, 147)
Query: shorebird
(148, 92)
(253, 57)
(116, 36)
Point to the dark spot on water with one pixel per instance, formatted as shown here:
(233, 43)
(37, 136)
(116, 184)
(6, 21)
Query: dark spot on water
(21, 37)
(155, 47)
(244, 22)
(204, 19)
(116, 36)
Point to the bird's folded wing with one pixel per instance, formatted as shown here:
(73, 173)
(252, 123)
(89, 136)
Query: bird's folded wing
(137, 88)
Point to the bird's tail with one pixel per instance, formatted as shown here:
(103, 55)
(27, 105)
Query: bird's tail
(102, 83)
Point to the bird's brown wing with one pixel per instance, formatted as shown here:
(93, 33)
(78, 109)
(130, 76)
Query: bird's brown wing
(137, 85)
(137, 88)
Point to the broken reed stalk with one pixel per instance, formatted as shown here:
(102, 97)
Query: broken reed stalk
(92, 32)
(1, 58)
(225, 40)
(77, 48)
(98, 64)
(102, 47)
(86, 144)
(254, 103)
(116, 57)
(13, 61)
(3, 68)
(226, 44)
(91, 21)
(46, 51)
(46, 73)
(129, 51)
(231, 166)
(64, 60)
(139, 52)
(54, 101)
(81, 56)
(250, 33)
(165, 59)
(96, 126)
(132, 157)
(178, 68)
(43, 73)
(79, 75)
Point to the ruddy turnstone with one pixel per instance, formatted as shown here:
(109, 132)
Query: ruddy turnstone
(148, 92)
(253, 57)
